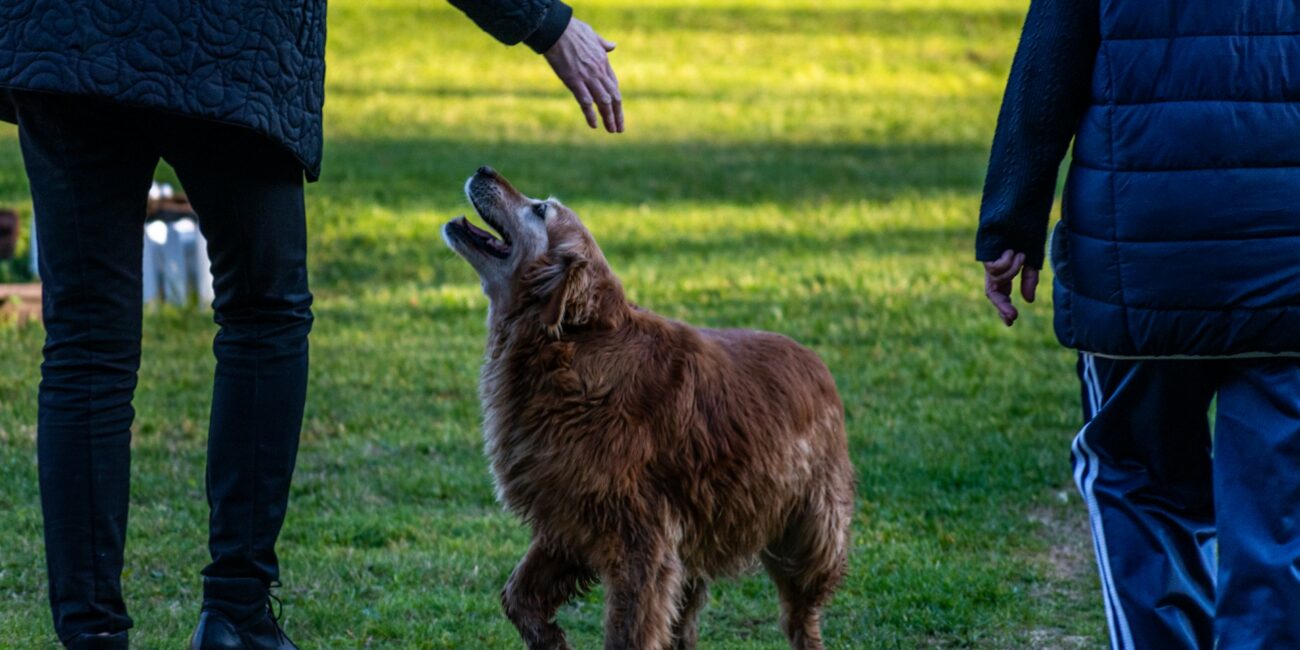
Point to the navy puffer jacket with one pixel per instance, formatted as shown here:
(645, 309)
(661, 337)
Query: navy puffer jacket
(1180, 233)
(253, 63)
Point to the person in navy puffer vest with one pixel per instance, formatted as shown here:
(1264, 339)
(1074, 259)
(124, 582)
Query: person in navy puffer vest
(1177, 278)
(230, 93)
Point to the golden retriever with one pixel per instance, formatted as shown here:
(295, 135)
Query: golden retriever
(645, 453)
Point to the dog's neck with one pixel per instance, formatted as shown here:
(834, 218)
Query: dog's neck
(498, 330)
(520, 326)
(510, 330)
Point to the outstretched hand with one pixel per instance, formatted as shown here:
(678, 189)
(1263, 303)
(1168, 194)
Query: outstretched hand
(999, 276)
(581, 60)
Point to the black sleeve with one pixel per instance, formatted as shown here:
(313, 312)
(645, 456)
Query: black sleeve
(1047, 94)
(537, 23)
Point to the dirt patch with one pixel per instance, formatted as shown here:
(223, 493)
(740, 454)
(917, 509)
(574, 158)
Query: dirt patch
(1070, 572)
(1064, 526)
(1056, 640)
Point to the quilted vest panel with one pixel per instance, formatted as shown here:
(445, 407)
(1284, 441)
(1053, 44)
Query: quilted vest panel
(253, 63)
(1180, 230)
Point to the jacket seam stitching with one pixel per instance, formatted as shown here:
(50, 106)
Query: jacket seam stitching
(1114, 201)
(1151, 102)
(1191, 36)
(1225, 310)
(1170, 170)
(1206, 240)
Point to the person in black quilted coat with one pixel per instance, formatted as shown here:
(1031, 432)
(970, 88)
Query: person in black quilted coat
(229, 92)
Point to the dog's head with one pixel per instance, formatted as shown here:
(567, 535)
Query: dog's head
(545, 267)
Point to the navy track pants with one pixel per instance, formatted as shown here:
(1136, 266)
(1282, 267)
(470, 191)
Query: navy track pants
(1163, 489)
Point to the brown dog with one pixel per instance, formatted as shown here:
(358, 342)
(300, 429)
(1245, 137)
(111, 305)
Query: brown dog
(645, 453)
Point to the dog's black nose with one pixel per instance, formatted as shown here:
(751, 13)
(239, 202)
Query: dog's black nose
(486, 171)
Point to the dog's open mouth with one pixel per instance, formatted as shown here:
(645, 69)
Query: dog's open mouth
(480, 239)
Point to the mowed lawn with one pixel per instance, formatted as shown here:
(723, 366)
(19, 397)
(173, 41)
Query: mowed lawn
(810, 167)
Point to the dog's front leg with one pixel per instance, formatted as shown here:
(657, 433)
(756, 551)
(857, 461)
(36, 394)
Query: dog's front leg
(642, 590)
(543, 581)
(695, 591)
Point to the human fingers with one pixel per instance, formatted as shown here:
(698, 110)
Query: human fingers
(583, 96)
(1010, 272)
(610, 83)
(1029, 283)
(999, 295)
(605, 104)
(1002, 263)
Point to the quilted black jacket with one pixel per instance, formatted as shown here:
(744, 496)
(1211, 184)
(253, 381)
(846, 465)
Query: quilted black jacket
(253, 63)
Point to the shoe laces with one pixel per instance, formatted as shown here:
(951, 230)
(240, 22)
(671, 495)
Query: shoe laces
(276, 609)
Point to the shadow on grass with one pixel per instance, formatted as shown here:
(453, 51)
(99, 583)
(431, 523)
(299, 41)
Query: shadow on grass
(336, 267)
(769, 91)
(751, 245)
(427, 174)
(411, 172)
(740, 18)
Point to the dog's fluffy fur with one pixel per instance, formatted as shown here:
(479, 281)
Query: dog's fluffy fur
(645, 453)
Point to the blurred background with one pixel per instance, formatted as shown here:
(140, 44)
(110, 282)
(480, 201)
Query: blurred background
(811, 167)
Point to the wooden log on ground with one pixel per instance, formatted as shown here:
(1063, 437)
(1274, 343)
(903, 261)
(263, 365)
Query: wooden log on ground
(20, 302)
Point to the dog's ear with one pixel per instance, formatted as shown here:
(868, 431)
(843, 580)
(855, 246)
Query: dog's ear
(559, 284)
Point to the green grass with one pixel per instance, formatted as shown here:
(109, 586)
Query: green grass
(809, 167)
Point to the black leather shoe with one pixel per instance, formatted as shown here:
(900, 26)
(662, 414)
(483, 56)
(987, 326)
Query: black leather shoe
(98, 642)
(217, 632)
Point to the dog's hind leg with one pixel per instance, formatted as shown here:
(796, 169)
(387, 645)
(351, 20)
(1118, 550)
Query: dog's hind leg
(542, 582)
(695, 592)
(807, 563)
(642, 589)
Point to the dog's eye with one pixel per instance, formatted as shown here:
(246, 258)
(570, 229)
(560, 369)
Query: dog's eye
(540, 210)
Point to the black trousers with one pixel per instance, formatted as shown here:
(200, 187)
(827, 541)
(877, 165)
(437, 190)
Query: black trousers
(90, 164)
